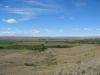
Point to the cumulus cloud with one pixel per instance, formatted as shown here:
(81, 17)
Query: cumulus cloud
(10, 21)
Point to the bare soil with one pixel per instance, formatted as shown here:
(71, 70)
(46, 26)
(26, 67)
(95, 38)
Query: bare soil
(79, 60)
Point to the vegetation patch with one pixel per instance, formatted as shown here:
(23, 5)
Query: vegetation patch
(30, 64)
(43, 44)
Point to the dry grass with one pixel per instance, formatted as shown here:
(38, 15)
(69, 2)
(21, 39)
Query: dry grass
(79, 60)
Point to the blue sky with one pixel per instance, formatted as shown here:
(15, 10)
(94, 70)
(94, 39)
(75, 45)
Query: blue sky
(49, 17)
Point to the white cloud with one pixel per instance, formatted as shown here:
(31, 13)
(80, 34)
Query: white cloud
(47, 4)
(8, 33)
(10, 21)
(81, 3)
(26, 13)
(20, 11)
(62, 17)
(6, 6)
(23, 13)
(46, 30)
(87, 29)
(32, 9)
(35, 31)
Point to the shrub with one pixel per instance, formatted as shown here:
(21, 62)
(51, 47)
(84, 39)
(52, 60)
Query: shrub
(60, 46)
(29, 64)
(1, 47)
(41, 47)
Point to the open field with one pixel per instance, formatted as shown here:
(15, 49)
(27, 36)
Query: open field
(55, 57)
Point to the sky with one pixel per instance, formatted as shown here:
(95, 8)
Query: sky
(49, 17)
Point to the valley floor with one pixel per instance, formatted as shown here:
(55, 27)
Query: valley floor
(79, 60)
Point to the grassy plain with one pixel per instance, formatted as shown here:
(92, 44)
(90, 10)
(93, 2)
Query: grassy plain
(61, 56)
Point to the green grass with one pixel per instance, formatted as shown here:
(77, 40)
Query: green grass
(5, 42)
(39, 44)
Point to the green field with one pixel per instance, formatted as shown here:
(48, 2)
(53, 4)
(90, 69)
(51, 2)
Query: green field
(38, 43)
